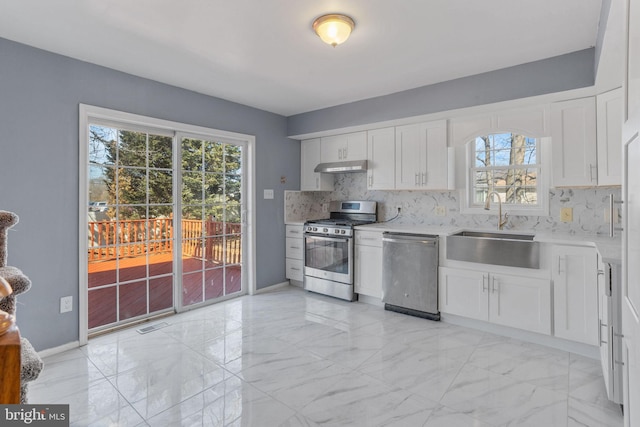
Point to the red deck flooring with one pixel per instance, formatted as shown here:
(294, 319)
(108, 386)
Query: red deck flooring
(103, 307)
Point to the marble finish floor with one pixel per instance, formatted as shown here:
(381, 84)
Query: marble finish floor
(292, 358)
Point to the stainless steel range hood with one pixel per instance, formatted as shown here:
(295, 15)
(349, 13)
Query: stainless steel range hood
(342, 167)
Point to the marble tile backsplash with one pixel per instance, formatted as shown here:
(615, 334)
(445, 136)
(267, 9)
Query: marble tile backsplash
(419, 207)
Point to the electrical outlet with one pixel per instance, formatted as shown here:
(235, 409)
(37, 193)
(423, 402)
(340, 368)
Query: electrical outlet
(325, 207)
(268, 194)
(441, 211)
(66, 304)
(566, 214)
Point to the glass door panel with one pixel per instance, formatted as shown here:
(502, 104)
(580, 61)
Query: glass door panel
(130, 225)
(211, 220)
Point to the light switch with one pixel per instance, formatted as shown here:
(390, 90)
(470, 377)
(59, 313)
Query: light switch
(268, 194)
(566, 214)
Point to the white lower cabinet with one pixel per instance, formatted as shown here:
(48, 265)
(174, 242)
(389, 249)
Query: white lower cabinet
(368, 263)
(463, 292)
(294, 252)
(574, 270)
(504, 299)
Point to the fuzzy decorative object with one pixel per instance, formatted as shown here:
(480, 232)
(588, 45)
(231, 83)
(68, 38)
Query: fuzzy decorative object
(31, 365)
(18, 282)
(7, 220)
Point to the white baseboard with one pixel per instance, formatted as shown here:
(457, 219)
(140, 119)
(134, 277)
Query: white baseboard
(60, 349)
(272, 287)
(585, 350)
(370, 300)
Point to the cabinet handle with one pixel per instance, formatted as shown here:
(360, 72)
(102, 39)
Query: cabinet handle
(424, 178)
(295, 247)
(417, 179)
(484, 287)
(340, 153)
(294, 232)
(493, 285)
(370, 180)
(600, 333)
(345, 152)
(295, 269)
(559, 261)
(591, 168)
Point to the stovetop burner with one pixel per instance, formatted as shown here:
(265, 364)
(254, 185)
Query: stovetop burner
(339, 222)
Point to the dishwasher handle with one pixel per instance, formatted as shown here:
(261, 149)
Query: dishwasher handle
(410, 238)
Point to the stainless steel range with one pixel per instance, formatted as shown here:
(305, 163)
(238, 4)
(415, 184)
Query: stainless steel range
(328, 248)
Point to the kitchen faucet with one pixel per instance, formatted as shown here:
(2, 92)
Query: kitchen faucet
(487, 203)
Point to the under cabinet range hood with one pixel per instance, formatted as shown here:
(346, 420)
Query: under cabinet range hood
(342, 167)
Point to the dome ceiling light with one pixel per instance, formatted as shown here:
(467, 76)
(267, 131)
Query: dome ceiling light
(333, 29)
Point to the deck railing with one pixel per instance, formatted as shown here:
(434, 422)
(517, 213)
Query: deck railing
(210, 239)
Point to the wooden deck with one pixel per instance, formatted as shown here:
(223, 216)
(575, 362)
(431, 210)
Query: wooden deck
(132, 276)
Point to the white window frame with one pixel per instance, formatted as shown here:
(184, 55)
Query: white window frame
(88, 114)
(541, 209)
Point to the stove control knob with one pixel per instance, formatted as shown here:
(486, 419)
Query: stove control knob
(315, 228)
(338, 231)
(343, 231)
(325, 230)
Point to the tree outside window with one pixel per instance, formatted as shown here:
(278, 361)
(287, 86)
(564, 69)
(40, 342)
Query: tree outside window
(507, 163)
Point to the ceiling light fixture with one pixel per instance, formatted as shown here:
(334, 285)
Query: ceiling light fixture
(333, 29)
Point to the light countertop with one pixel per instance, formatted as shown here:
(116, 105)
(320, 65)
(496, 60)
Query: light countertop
(610, 248)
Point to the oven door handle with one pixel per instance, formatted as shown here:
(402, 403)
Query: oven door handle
(330, 239)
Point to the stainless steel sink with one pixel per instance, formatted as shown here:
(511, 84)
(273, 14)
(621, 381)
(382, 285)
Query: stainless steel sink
(513, 250)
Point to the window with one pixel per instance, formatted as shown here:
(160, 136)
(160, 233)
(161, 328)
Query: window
(509, 164)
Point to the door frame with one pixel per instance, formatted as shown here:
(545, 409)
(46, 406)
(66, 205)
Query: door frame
(87, 113)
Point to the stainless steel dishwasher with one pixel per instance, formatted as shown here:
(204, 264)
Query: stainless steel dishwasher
(410, 274)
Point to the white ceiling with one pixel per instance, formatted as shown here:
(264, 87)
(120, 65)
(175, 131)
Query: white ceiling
(264, 53)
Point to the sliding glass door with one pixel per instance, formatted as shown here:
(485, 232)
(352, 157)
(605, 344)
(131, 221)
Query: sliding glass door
(164, 222)
(130, 221)
(211, 179)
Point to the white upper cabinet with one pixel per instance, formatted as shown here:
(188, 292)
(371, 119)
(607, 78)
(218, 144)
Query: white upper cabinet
(339, 148)
(421, 156)
(309, 159)
(573, 132)
(609, 136)
(381, 159)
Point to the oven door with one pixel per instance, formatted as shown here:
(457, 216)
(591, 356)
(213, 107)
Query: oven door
(329, 258)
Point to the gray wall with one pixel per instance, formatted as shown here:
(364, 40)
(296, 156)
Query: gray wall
(39, 97)
(566, 72)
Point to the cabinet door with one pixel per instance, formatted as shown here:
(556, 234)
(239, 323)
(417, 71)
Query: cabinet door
(464, 292)
(575, 293)
(410, 162)
(331, 148)
(609, 106)
(381, 159)
(356, 146)
(310, 157)
(520, 302)
(421, 156)
(293, 248)
(293, 269)
(436, 156)
(573, 132)
(339, 148)
(368, 270)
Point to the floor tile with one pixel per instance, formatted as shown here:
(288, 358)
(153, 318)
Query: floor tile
(293, 358)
